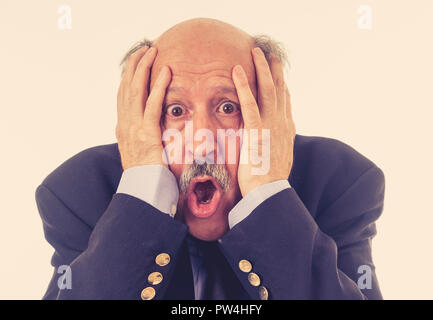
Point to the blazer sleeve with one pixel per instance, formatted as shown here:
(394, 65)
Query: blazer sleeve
(295, 259)
(113, 259)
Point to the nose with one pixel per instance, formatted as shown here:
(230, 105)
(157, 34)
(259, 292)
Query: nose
(201, 139)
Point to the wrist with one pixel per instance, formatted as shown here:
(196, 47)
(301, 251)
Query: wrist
(257, 183)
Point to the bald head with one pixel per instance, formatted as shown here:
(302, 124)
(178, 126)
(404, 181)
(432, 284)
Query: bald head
(202, 35)
(204, 32)
(200, 39)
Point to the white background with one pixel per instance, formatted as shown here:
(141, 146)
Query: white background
(369, 88)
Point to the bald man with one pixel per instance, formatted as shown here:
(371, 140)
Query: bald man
(209, 193)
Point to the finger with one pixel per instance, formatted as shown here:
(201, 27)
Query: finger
(153, 108)
(249, 109)
(277, 71)
(132, 62)
(120, 106)
(286, 102)
(288, 106)
(265, 83)
(289, 115)
(139, 82)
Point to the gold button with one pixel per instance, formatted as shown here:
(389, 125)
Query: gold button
(263, 293)
(162, 259)
(254, 279)
(148, 293)
(245, 266)
(154, 278)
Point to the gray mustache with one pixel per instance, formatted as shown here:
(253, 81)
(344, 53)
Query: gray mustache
(217, 171)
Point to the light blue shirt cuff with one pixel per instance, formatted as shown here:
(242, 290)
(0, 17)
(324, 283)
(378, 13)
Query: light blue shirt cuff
(253, 199)
(154, 184)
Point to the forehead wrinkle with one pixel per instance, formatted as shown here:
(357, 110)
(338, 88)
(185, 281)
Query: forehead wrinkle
(199, 68)
(182, 84)
(223, 89)
(196, 72)
(197, 76)
(218, 89)
(185, 75)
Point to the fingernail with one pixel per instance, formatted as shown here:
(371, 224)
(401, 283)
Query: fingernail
(257, 50)
(151, 50)
(238, 70)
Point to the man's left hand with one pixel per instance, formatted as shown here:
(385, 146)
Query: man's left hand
(274, 114)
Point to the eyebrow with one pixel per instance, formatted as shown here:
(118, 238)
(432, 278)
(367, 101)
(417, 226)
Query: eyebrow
(219, 89)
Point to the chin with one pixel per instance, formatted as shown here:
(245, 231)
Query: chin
(207, 229)
(208, 234)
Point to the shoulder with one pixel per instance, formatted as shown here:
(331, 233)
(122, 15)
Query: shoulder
(324, 168)
(329, 151)
(86, 181)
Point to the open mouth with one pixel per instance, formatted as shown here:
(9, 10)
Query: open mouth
(204, 194)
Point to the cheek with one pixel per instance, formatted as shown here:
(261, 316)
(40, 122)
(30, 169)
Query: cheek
(231, 146)
(230, 122)
(170, 123)
(233, 170)
(173, 141)
(234, 194)
(176, 169)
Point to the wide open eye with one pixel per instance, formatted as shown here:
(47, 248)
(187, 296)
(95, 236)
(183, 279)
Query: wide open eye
(175, 110)
(228, 108)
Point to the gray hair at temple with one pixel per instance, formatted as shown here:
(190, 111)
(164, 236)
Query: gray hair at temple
(268, 45)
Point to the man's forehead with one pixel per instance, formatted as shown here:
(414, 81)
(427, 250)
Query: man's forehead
(217, 68)
(179, 67)
(221, 89)
(201, 60)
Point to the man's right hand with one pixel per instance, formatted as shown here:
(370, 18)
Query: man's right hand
(138, 114)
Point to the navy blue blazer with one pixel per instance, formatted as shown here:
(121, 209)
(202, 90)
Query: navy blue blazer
(312, 241)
